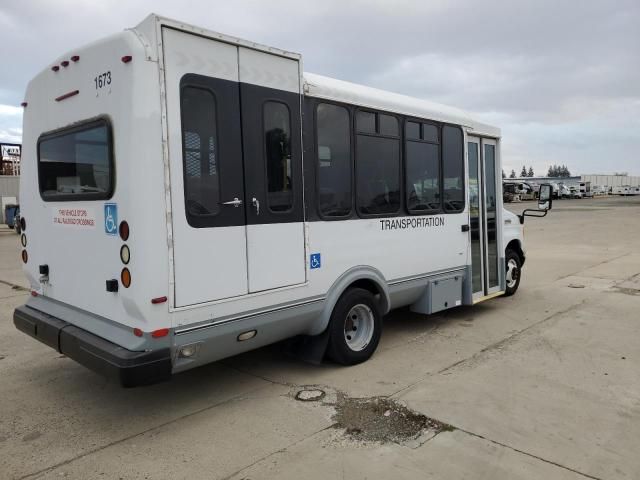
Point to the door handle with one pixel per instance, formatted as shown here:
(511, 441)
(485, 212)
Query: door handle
(256, 203)
(236, 202)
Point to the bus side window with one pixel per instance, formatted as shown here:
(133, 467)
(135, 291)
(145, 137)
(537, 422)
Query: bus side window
(277, 137)
(453, 169)
(378, 168)
(199, 153)
(422, 168)
(333, 134)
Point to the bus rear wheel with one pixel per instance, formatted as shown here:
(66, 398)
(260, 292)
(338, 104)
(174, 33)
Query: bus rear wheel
(514, 272)
(355, 327)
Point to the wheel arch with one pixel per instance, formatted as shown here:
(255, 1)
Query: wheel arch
(365, 277)
(516, 246)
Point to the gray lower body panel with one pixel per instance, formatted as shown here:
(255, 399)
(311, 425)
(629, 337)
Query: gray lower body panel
(220, 340)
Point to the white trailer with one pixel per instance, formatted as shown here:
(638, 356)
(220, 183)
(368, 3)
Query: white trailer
(187, 196)
(625, 190)
(585, 190)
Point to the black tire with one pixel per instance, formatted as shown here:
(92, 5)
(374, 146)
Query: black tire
(512, 260)
(338, 349)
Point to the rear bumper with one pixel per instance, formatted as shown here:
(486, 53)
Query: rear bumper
(128, 368)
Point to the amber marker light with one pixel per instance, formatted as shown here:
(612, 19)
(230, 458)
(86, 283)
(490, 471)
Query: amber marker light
(125, 277)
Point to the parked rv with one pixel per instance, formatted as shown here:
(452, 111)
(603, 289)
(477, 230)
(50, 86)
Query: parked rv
(585, 190)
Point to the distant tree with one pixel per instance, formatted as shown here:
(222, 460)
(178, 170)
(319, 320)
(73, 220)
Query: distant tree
(523, 173)
(512, 174)
(530, 172)
(503, 174)
(558, 171)
(621, 174)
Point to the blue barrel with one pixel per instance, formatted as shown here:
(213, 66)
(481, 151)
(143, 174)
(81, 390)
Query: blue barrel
(10, 212)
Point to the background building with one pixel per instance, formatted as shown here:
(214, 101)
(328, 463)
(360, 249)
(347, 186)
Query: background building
(612, 180)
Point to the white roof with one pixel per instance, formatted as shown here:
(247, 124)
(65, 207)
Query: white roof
(341, 91)
(330, 88)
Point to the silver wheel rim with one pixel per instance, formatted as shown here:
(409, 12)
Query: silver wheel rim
(512, 273)
(358, 327)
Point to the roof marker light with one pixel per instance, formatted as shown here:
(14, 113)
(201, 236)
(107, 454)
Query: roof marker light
(67, 95)
(162, 332)
(137, 332)
(126, 59)
(65, 63)
(55, 68)
(158, 300)
(75, 58)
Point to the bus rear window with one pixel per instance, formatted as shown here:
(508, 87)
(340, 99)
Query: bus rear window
(76, 164)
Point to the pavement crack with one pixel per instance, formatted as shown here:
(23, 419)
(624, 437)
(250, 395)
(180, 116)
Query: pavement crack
(497, 345)
(276, 452)
(255, 375)
(507, 340)
(41, 472)
(593, 266)
(514, 449)
(15, 286)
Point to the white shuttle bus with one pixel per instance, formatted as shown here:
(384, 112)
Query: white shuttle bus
(187, 196)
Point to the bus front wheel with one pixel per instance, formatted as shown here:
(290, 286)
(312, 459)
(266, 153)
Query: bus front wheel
(355, 327)
(514, 272)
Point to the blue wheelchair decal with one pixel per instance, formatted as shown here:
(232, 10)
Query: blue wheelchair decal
(110, 218)
(314, 261)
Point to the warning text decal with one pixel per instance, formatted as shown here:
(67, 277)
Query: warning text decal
(74, 217)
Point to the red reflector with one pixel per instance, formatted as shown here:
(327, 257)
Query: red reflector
(137, 332)
(55, 68)
(65, 63)
(158, 300)
(34, 293)
(126, 59)
(23, 104)
(163, 332)
(67, 95)
(75, 58)
(124, 230)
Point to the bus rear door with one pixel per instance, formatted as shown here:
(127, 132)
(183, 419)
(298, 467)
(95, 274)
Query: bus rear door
(233, 118)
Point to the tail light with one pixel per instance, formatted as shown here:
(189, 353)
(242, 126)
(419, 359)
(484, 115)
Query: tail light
(123, 229)
(125, 277)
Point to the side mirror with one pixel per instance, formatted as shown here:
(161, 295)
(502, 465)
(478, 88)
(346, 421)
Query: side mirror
(545, 197)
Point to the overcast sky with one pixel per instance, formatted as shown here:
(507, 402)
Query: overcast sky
(561, 78)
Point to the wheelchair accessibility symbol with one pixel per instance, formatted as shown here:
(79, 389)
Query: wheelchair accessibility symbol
(314, 261)
(110, 218)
